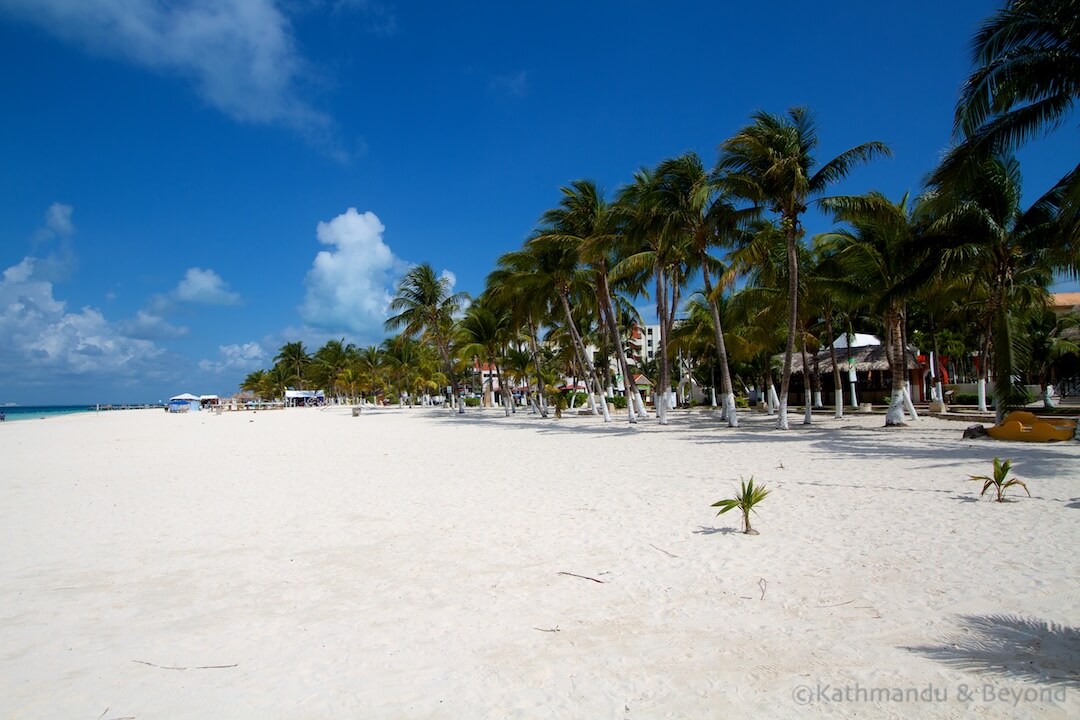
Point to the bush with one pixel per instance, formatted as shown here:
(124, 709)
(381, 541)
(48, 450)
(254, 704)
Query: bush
(973, 398)
(618, 401)
(580, 399)
(742, 402)
(472, 402)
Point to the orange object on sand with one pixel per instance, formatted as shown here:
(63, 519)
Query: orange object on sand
(1023, 426)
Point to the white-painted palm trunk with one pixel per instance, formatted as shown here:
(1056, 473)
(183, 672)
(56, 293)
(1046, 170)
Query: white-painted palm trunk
(604, 410)
(661, 408)
(808, 415)
(642, 411)
(940, 391)
(818, 403)
(908, 405)
(781, 415)
(839, 403)
(773, 402)
(730, 414)
(712, 397)
(982, 395)
(895, 414)
(1048, 397)
(854, 397)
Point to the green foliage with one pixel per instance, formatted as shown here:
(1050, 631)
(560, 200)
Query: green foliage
(748, 496)
(1000, 480)
(472, 402)
(619, 401)
(742, 402)
(973, 399)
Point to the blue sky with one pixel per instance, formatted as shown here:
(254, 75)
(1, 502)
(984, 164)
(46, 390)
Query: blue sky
(186, 186)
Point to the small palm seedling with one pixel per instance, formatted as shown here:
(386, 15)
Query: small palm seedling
(1000, 480)
(745, 500)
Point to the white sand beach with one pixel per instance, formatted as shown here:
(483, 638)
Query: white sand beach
(418, 564)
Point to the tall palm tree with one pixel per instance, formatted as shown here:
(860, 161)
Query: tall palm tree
(653, 250)
(254, 383)
(1025, 83)
(329, 361)
(1002, 252)
(587, 223)
(294, 359)
(521, 285)
(771, 164)
(560, 263)
(425, 307)
(482, 334)
(694, 206)
(883, 252)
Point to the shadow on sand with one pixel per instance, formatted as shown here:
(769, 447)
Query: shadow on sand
(1011, 647)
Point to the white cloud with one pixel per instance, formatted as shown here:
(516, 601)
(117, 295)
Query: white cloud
(148, 326)
(204, 287)
(240, 55)
(350, 285)
(249, 356)
(58, 219)
(41, 338)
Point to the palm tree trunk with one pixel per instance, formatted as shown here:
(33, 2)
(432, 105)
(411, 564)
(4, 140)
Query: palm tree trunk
(793, 319)
(721, 351)
(660, 398)
(894, 416)
(838, 384)
(607, 316)
(808, 412)
(535, 349)
(583, 356)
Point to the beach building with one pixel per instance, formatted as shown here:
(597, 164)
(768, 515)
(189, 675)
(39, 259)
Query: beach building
(861, 359)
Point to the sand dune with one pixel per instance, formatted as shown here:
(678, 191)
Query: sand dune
(416, 564)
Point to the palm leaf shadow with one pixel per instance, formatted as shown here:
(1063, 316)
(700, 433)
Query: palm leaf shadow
(1010, 646)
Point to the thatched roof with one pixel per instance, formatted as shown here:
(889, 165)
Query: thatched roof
(871, 357)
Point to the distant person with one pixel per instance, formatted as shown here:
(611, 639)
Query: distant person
(3, 416)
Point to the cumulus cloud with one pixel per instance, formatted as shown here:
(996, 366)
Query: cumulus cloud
(148, 326)
(350, 285)
(249, 356)
(204, 287)
(240, 55)
(42, 337)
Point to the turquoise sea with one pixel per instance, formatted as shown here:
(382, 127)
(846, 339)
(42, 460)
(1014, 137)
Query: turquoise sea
(33, 412)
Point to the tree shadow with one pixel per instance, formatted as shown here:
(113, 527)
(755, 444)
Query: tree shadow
(1074, 503)
(1010, 646)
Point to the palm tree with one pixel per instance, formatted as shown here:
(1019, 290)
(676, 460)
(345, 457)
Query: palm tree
(770, 163)
(254, 383)
(329, 361)
(694, 208)
(1002, 253)
(882, 251)
(1025, 83)
(521, 285)
(426, 307)
(559, 261)
(482, 334)
(371, 366)
(294, 359)
(587, 223)
(653, 249)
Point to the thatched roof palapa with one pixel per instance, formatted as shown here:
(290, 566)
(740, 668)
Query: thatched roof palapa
(870, 357)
